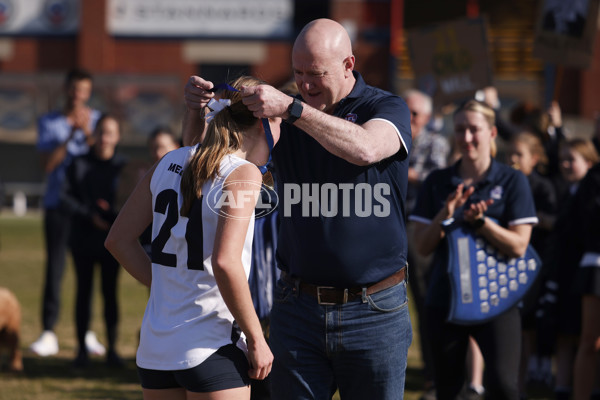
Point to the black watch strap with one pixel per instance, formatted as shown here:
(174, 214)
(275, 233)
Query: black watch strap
(478, 223)
(294, 111)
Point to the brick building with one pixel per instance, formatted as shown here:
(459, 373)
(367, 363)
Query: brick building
(140, 73)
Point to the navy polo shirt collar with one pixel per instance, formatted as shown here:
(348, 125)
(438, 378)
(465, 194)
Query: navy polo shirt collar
(489, 177)
(359, 86)
(356, 92)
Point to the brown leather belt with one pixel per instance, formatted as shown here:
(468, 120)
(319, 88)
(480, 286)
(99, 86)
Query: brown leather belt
(329, 295)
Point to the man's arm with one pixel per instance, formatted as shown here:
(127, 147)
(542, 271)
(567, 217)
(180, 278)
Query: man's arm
(80, 120)
(52, 159)
(197, 96)
(364, 144)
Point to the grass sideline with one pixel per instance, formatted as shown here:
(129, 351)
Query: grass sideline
(54, 378)
(22, 271)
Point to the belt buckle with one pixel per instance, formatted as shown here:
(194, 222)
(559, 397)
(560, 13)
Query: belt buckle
(325, 303)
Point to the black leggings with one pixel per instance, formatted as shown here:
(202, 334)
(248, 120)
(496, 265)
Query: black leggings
(500, 344)
(56, 232)
(84, 268)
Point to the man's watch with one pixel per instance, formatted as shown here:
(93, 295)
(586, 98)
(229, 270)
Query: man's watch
(478, 223)
(294, 111)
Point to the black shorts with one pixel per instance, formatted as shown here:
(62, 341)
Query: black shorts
(227, 368)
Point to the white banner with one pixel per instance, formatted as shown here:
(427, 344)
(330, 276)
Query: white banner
(39, 17)
(201, 18)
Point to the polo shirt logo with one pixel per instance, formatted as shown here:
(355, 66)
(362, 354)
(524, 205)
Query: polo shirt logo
(496, 193)
(351, 117)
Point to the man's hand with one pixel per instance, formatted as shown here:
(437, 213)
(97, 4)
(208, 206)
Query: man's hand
(197, 93)
(265, 101)
(81, 118)
(555, 114)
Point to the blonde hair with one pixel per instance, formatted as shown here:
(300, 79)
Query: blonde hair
(224, 136)
(584, 147)
(535, 146)
(488, 114)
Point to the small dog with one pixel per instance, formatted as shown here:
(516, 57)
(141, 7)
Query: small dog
(10, 328)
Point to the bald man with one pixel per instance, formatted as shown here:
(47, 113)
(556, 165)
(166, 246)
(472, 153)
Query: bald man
(340, 315)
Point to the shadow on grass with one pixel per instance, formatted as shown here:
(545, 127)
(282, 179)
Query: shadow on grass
(414, 379)
(53, 378)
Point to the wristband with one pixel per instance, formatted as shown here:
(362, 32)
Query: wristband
(447, 222)
(478, 223)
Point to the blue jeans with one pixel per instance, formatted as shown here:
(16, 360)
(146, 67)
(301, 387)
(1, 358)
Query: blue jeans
(359, 347)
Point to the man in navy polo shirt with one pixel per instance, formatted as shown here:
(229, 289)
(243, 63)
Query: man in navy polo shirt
(340, 316)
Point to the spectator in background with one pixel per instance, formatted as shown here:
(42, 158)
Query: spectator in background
(587, 207)
(464, 193)
(89, 194)
(429, 152)
(527, 155)
(62, 135)
(577, 156)
(545, 125)
(525, 116)
(161, 141)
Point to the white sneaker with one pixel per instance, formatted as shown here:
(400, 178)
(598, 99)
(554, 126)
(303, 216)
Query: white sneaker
(92, 344)
(46, 345)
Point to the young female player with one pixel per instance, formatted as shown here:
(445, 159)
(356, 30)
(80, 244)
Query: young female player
(201, 202)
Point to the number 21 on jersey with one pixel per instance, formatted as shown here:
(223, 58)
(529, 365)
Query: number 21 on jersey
(167, 204)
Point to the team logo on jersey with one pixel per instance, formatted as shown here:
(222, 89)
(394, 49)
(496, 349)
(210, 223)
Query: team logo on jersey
(496, 193)
(237, 195)
(351, 117)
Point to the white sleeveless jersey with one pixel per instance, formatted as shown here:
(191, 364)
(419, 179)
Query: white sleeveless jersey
(186, 319)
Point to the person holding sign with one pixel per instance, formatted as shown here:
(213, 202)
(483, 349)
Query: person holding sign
(491, 200)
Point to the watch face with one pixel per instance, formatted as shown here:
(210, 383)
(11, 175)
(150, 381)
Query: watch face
(294, 111)
(296, 108)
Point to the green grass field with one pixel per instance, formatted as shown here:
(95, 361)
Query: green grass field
(22, 271)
